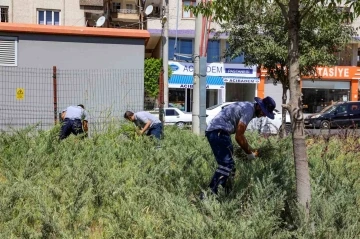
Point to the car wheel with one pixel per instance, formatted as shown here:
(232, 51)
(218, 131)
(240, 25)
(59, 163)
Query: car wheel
(180, 124)
(325, 124)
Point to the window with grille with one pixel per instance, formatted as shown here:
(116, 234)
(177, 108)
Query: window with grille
(8, 51)
(4, 14)
(116, 7)
(49, 17)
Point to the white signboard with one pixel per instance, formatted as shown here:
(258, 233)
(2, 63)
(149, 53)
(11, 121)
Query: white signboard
(214, 69)
(240, 80)
(190, 86)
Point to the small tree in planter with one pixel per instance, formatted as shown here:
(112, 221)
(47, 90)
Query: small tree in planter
(151, 78)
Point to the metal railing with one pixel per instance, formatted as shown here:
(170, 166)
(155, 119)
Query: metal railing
(126, 11)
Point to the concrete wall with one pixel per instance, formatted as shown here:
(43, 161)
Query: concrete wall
(25, 11)
(275, 91)
(79, 52)
(104, 74)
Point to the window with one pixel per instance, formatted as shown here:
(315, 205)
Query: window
(341, 109)
(239, 59)
(4, 14)
(48, 17)
(316, 99)
(355, 107)
(8, 51)
(213, 51)
(171, 113)
(184, 46)
(130, 8)
(187, 14)
(116, 7)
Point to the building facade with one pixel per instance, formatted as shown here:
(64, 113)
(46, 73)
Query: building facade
(47, 68)
(181, 45)
(227, 79)
(48, 12)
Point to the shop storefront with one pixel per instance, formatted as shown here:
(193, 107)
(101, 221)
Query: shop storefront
(224, 82)
(338, 83)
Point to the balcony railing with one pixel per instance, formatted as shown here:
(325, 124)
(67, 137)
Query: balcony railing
(126, 11)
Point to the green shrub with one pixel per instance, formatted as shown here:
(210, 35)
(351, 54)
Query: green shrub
(118, 185)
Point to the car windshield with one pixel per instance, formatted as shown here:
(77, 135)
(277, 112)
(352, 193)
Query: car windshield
(328, 109)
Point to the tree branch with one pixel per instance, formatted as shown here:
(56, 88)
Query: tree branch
(307, 9)
(283, 11)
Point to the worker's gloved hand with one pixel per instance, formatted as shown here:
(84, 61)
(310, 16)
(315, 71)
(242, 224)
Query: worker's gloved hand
(251, 156)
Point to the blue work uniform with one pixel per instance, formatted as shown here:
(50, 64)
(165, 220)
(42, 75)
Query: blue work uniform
(74, 115)
(219, 133)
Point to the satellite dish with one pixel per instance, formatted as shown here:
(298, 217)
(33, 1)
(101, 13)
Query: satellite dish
(100, 21)
(149, 10)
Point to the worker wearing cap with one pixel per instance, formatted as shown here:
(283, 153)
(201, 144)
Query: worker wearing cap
(233, 119)
(75, 120)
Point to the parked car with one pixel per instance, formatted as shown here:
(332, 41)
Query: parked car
(308, 117)
(212, 111)
(174, 116)
(264, 125)
(341, 114)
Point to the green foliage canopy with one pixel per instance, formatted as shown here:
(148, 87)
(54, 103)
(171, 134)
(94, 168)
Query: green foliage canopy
(260, 33)
(152, 69)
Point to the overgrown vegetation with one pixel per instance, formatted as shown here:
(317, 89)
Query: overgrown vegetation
(152, 69)
(117, 185)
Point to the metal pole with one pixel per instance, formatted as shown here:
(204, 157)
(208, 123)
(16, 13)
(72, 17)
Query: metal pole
(161, 97)
(55, 95)
(177, 24)
(196, 80)
(166, 52)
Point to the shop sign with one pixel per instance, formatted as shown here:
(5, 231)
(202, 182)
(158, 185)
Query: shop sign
(241, 80)
(338, 72)
(191, 86)
(214, 69)
(334, 72)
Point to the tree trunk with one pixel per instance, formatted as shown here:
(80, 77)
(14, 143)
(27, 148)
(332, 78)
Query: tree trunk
(283, 132)
(300, 156)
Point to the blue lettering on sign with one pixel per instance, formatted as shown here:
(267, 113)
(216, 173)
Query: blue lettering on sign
(187, 86)
(214, 69)
(238, 71)
(191, 86)
(174, 67)
(188, 68)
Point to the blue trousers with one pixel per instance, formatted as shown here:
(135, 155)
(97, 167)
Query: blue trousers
(155, 130)
(70, 126)
(222, 147)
